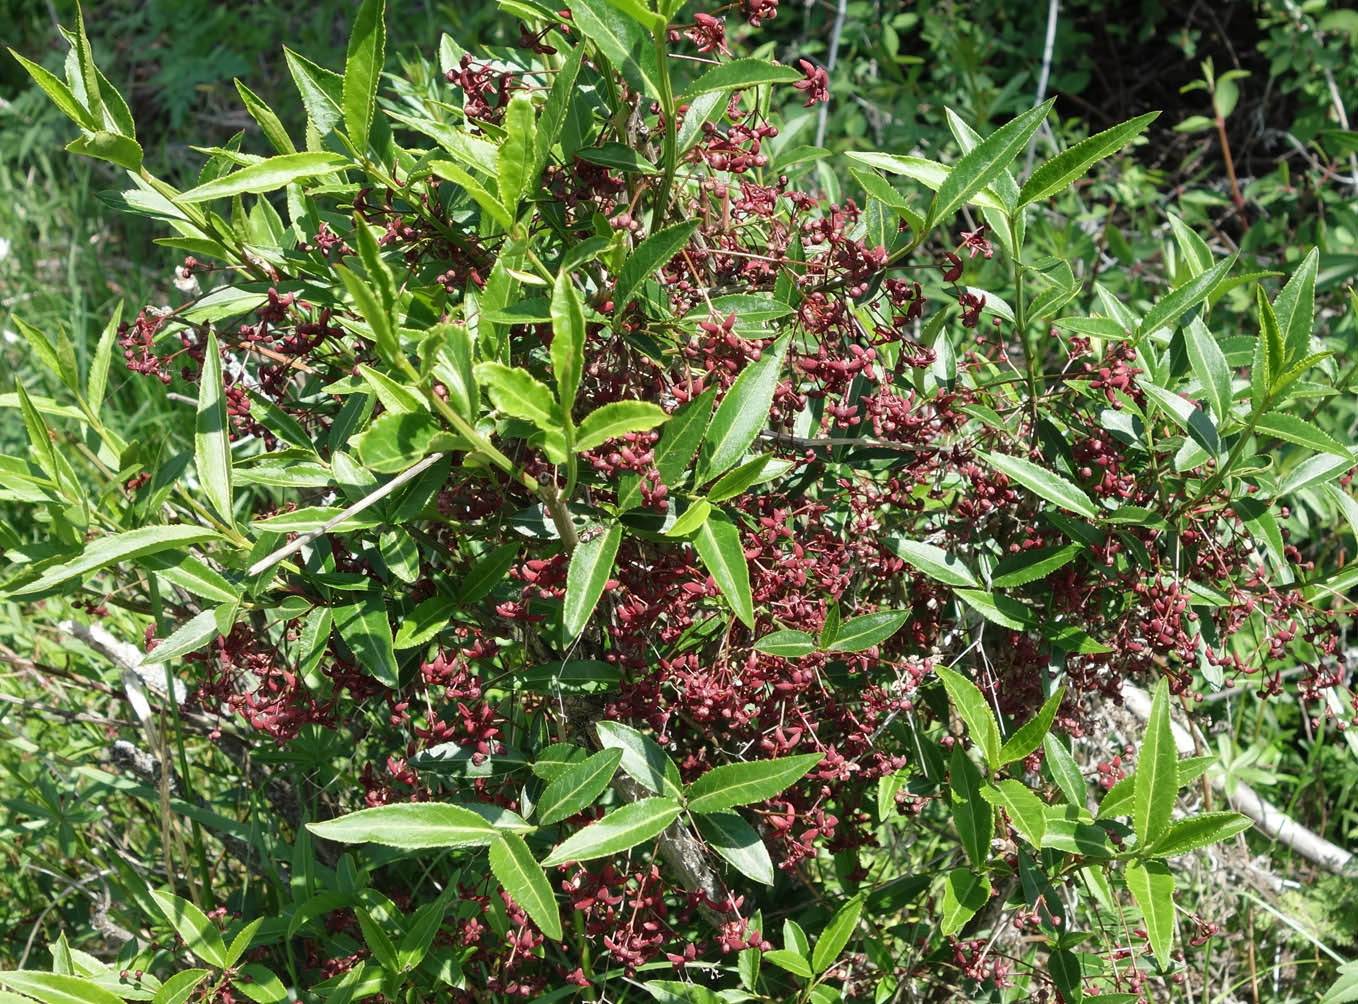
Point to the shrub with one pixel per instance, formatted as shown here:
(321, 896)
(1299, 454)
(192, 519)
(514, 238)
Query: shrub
(624, 546)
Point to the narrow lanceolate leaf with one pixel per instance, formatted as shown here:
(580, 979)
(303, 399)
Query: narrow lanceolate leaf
(1165, 313)
(409, 826)
(742, 783)
(972, 814)
(836, 934)
(568, 341)
(644, 761)
(1048, 484)
(964, 892)
(55, 988)
(861, 633)
(363, 72)
(986, 161)
(200, 935)
(682, 436)
(975, 712)
(1157, 778)
(1291, 429)
(737, 842)
(554, 111)
(116, 547)
(59, 94)
(619, 830)
(1295, 306)
(212, 439)
(1209, 366)
(1152, 886)
(514, 867)
(1184, 835)
(933, 561)
(1192, 420)
(514, 160)
(1029, 566)
(717, 542)
(577, 787)
(267, 120)
(786, 644)
(737, 74)
(1024, 809)
(591, 565)
(743, 412)
(621, 39)
(1069, 166)
(267, 176)
(1064, 771)
(617, 419)
(652, 253)
(1063, 966)
(103, 356)
(1029, 737)
(364, 628)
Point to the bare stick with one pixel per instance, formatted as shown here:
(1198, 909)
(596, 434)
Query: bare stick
(372, 498)
(835, 32)
(1052, 8)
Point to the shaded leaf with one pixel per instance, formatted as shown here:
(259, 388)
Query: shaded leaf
(515, 868)
(591, 565)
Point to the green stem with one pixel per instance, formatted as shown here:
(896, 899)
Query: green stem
(670, 153)
(1021, 317)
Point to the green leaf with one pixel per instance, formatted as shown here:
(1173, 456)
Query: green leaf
(1152, 886)
(742, 783)
(786, 644)
(513, 161)
(1157, 778)
(1048, 484)
(644, 761)
(590, 566)
(619, 830)
(379, 943)
(62, 363)
(791, 961)
(554, 111)
(682, 436)
(192, 635)
(615, 419)
(986, 161)
(103, 145)
(652, 253)
(933, 561)
(737, 74)
(269, 123)
(577, 787)
(1184, 835)
(423, 928)
(513, 865)
(1192, 420)
(971, 813)
(1064, 967)
(59, 94)
(1295, 306)
(212, 439)
(568, 342)
(691, 518)
(1209, 366)
(364, 628)
(836, 934)
(718, 545)
(676, 992)
(488, 202)
(267, 176)
(103, 356)
(1070, 165)
(1184, 299)
(1029, 566)
(975, 712)
(747, 475)
(1030, 736)
(200, 935)
(1291, 429)
(55, 988)
(519, 394)
(1064, 771)
(363, 72)
(321, 91)
(964, 893)
(743, 412)
(861, 633)
(1344, 990)
(410, 826)
(1025, 810)
(115, 547)
(622, 40)
(396, 440)
(737, 842)
(178, 988)
(487, 573)
(375, 312)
